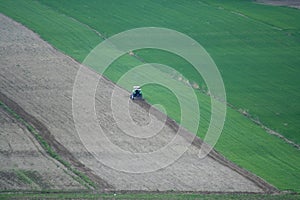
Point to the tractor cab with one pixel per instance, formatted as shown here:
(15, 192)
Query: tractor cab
(136, 93)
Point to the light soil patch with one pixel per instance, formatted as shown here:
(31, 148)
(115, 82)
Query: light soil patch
(40, 80)
(25, 165)
(289, 3)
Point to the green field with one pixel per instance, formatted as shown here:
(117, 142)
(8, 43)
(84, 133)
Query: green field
(255, 47)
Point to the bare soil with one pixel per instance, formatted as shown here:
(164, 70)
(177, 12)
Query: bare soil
(289, 3)
(37, 82)
(24, 164)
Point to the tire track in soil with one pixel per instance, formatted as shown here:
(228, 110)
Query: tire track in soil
(58, 147)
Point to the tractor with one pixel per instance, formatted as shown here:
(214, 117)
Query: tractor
(136, 93)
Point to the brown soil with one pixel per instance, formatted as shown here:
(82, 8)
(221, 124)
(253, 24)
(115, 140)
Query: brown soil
(37, 82)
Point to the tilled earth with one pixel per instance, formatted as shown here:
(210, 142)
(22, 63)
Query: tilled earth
(37, 82)
(24, 163)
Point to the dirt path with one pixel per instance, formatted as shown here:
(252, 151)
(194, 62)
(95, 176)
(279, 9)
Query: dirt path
(38, 81)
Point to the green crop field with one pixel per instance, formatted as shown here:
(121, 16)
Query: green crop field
(256, 49)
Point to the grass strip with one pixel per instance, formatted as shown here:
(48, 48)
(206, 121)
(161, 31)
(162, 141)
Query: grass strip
(151, 195)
